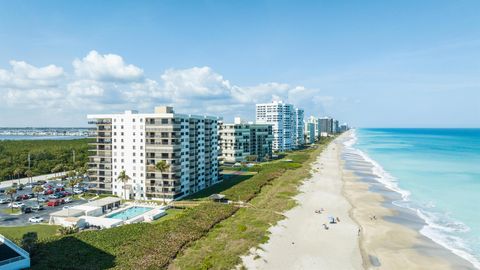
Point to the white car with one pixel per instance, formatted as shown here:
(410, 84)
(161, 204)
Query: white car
(36, 219)
(29, 186)
(77, 191)
(16, 204)
(59, 185)
(3, 201)
(68, 200)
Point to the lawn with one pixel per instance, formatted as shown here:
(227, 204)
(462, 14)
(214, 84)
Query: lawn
(229, 181)
(16, 233)
(10, 211)
(172, 213)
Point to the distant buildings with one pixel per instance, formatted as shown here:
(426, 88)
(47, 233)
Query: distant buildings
(241, 141)
(191, 146)
(135, 143)
(286, 121)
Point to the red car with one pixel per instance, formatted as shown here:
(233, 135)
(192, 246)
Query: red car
(48, 192)
(24, 197)
(53, 203)
(58, 189)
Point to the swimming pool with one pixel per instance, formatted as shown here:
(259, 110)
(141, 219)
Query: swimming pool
(130, 213)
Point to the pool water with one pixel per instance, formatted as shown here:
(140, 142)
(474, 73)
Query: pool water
(130, 213)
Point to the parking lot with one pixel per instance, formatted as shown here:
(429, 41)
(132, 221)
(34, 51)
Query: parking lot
(22, 219)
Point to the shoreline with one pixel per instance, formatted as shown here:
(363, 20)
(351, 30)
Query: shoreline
(344, 185)
(300, 241)
(406, 247)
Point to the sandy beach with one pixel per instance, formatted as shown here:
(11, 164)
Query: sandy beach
(300, 241)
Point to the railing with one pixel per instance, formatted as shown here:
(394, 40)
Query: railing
(13, 246)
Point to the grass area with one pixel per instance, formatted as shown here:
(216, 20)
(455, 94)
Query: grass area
(16, 233)
(227, 183)
(172, 213)
(222, 247)
(10, 211)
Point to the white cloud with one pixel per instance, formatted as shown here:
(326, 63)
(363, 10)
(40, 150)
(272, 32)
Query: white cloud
(105, 83)
(196, 82)
(25, 76)
(107, 67)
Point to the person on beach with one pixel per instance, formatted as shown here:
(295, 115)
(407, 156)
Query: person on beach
(338, 220)
(358, 232)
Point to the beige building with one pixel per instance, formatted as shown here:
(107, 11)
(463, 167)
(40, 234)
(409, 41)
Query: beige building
(240, 141)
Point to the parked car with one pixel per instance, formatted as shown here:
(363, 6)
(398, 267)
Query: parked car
(4, 201)
(16, 204)
(68, 200)
(41, 182)
(35, 219)
(29, 186)
(60, 185)
(58, 189)
(66, 193)
(24, 197)
(37, 207)
(2, 191)
(60, 194)
(26, 210)
(48, 192)
(53, 203)
(77, 191)
(42, 199)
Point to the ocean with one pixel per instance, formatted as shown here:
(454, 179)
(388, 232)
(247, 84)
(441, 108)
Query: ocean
(29, 137)
(436, 172)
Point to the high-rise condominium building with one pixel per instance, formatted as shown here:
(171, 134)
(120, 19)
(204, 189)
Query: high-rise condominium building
(283, 118)
(310, 132)
(240, 141)
(135, 143)
(299, 128)
(326, 126)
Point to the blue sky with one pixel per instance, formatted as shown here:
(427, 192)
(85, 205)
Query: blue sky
(368, 63)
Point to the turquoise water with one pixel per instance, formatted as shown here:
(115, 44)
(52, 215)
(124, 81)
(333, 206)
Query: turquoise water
(130, 213)
(437, 171)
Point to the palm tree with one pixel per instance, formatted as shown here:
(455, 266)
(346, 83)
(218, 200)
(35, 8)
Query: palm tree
(37, 190)
(162, 166)
(11, 192)
(124, 178)
(72, 182)
(57, 168)
(29, 174)
(17, 172)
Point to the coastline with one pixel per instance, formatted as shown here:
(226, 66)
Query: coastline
(344, 184)
(300, 241)
(390, 237)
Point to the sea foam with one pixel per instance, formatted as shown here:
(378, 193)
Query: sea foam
(439, 227)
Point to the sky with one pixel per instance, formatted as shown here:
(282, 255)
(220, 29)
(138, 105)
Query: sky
(368, 63)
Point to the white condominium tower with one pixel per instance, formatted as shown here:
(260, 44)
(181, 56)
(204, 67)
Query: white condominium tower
(283, 118)
(135, 143)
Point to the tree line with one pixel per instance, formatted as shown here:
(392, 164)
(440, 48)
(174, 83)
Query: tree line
(46, 156)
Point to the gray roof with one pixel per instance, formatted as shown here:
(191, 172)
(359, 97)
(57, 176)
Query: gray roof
(104, 201)
(71, 212)
(217, 196)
